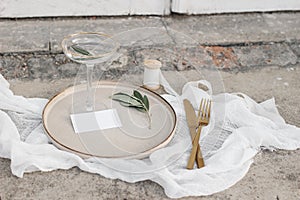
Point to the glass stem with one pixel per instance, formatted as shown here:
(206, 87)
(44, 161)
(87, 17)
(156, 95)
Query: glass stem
(89, 98)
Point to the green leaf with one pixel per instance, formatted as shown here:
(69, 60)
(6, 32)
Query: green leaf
(121, 97)
(144, 99)
(141, 109)
(146, 102)
(80, 50)
(124, 103)
(130, 105)
(125, 98)
(138, 95)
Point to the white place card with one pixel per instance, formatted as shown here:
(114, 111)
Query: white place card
(93, 121)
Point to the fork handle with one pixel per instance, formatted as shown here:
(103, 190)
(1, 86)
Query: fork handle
(195, 143)
(199, 157)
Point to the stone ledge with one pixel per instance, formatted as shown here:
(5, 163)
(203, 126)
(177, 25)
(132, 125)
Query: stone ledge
(32, 35)
(30, 66)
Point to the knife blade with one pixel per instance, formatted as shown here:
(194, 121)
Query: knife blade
(192, 122)
(191, 118)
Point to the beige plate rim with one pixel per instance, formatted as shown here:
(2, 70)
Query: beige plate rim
(87, 155)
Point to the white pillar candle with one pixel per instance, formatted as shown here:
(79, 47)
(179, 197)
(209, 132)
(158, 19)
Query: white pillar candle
(152, 74)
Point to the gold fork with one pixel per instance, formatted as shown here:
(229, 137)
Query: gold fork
(203, 118)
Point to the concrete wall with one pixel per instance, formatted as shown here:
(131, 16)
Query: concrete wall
(42, 8)
(49, 8)
(225, 6)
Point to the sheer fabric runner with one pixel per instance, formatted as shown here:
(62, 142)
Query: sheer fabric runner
(239, 128)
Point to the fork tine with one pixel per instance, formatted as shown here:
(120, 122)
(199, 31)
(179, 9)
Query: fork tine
(199, 111)
(209, 110)
(203, 109)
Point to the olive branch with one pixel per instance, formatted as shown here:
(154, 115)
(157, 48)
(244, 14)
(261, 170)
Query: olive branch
(136, 100)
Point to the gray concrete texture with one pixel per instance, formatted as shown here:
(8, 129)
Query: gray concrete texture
(257, 54)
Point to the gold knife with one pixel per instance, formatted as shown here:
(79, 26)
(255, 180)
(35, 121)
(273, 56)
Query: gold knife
(193, 124)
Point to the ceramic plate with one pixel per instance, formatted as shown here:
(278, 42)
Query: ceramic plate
(133, 139)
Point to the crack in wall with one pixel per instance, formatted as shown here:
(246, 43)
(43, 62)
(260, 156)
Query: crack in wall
(167, 30)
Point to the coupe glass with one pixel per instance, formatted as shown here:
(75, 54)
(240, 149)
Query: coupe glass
(89, 48)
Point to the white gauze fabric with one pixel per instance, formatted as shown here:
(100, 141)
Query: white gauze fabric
(239, 128)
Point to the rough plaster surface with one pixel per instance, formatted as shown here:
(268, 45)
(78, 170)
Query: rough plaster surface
(274, 175)
(45, 35)
(260, 59)
(56, 8)
(225, 6)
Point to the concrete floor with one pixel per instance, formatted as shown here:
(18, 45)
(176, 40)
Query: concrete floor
(265, 64)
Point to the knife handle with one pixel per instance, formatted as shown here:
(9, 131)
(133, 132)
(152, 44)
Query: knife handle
(195, 143)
